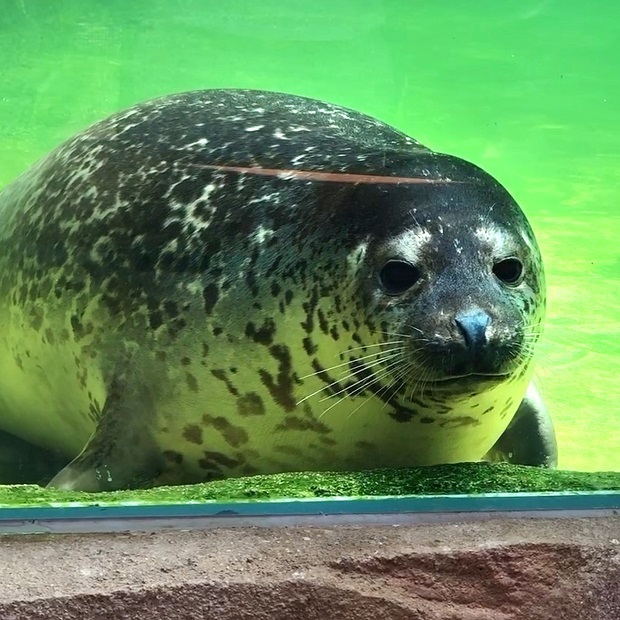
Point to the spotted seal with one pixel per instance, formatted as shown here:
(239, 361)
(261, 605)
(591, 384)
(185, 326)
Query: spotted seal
(227, 282)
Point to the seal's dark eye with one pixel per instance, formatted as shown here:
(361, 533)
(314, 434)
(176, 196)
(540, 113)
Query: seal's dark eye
(397, 276)
(509, 270)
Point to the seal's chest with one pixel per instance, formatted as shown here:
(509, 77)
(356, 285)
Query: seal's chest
(250, 432)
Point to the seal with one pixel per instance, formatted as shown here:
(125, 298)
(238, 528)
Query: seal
(231, 282)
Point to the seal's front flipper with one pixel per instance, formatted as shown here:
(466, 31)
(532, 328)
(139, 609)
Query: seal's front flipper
(120, 453)
(530, 436)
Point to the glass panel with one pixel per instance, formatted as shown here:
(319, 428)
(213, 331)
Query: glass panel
(346, 332)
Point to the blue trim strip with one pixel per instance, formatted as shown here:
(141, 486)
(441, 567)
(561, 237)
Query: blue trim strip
(502, 502)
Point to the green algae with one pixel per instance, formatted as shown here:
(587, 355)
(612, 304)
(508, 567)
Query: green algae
(464, 478)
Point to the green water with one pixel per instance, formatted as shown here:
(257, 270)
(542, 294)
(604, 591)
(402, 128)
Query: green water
(529, 90)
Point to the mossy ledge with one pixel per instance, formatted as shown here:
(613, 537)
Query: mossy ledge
(463, 478)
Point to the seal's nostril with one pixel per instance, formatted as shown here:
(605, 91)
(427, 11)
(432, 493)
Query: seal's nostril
(473, 327)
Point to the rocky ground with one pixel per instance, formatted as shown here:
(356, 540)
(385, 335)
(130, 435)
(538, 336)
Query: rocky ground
(530, 569)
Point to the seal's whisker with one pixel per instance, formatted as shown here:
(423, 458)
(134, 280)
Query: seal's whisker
(411, 368)
(359, 407)
(417, 329)
(535, 328)
(344, 378)
(321, 389)
(386, 367)
(534, 324)
(418, 387)
(400, 379)
(366, 380)
(526, 348)
(398, 334)
(531, 337)
(368, 346)
(397, 383)
(422, 376)
(538, 327)
(349, 372)
(532, 334)
(367, 399)
(358, 388)
(421, 384)
(336, 366)
(523, 355)
(538, 321)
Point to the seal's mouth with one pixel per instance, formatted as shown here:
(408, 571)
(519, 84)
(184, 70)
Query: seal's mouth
(472, 377)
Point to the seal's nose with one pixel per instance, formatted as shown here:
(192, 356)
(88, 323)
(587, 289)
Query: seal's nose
(473, 326)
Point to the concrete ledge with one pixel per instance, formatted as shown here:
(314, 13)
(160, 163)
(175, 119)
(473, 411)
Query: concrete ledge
(494, 570)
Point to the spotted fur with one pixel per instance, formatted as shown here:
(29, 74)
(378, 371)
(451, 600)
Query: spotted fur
(188, 290)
